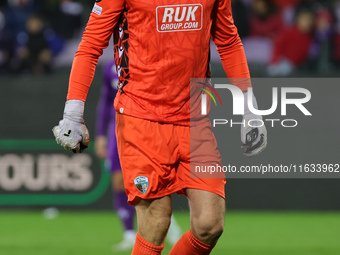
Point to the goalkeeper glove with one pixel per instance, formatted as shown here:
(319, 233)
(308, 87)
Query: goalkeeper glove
(71, 133)
(253, 136)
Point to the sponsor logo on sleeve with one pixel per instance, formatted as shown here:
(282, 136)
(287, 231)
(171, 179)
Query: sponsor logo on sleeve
(183, 17)
(97, 9)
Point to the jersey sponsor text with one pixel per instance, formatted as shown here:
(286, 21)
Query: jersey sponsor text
(185, 17)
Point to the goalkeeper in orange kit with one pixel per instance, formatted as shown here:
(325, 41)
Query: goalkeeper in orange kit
(159, 46)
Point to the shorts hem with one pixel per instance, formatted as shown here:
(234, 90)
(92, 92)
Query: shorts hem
(180, 191)
(155, 196)
(221, 194)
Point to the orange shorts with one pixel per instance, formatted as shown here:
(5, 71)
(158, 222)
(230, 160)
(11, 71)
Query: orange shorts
(156, 158)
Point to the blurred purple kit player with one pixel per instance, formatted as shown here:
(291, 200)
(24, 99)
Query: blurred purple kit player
(106, 147)
(106, 115)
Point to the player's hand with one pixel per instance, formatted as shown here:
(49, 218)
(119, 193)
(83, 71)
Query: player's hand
(71, 133)
(100, 145)
(253, 136)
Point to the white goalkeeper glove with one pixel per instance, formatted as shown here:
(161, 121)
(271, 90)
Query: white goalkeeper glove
(71, 132)
(253, 136)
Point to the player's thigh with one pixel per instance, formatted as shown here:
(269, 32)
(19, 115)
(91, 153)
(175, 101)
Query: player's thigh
(153, 218)
(207, 211)
(152, 208)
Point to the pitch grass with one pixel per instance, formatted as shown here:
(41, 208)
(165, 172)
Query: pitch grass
(92, 233)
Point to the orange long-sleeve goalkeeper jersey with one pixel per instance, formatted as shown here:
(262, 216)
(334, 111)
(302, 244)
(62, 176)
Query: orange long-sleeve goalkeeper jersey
(159, 46)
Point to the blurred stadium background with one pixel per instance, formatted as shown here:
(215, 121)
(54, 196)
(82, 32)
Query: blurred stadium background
(38, 39)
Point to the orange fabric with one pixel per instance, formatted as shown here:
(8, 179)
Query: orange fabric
(156, 158)
(143, 247)
(95, 38)
(188, 244)
(229, 46)
(167, 44)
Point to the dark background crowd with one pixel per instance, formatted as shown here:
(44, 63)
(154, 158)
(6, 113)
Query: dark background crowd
(33, 32)
(283, 35)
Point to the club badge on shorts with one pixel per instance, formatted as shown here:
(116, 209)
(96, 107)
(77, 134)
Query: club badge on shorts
(141, 183)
